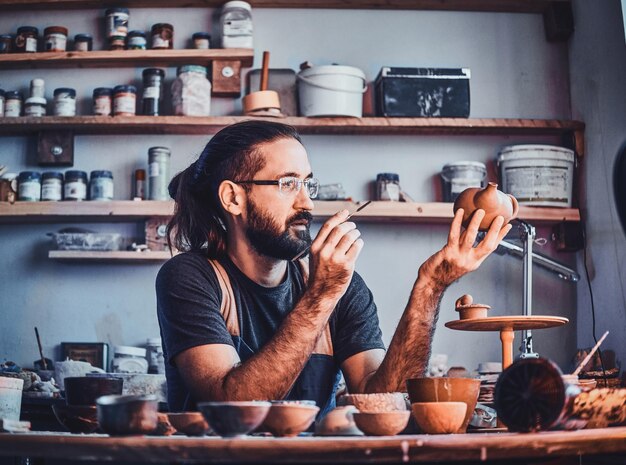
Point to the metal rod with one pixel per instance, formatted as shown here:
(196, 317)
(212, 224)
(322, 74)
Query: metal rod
(528, 234)
(543, 261)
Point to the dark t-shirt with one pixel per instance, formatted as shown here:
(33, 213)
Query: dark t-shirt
(188, 306)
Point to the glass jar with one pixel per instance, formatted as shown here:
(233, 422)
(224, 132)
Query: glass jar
(55, 39)
(136, 40)
(158, 172)
(154, 354)
(29, 186)
(116, 22)
(388, 187)
(51, 186)
(35, 106)
(152, 90)
(13, 104)
(64, 102)
(117, 43)
(6, 43)
(101, 185)
(26, 39)
(191, 91)
(162, 36)
(124, 100)
(75, 186)
(236, 24)
(83, 42)
(2, 102)
(102, 101)
(128, 359)
(201, 40)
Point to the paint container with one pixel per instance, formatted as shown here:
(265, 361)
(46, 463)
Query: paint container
(458, 176)
(29, 186)
(10, 398)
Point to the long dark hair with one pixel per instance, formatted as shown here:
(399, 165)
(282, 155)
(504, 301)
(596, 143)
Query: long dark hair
(198, 223)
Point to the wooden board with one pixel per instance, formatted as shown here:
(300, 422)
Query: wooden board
(106, 256)
(515, 323)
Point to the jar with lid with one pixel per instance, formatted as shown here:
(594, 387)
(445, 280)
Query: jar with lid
(158, 172)
(75, 186)
(26, 39)
(127, 359)
(102, 101)
(64, 102)
(37, 88)
(117, 43)
(101, 185)
(2, 102)
(140, 185)
(136, 40)
(52, 186)
(152, 90)
(116, 22)
(154, 354)
(13, 104)
(6, 43)
(191, 91)
(35, 106)
(162, 36)
(124, 100)
(201, 40)
(55, 39)
(236, 24)
(83, 42)
(29, 186)
(388, 187)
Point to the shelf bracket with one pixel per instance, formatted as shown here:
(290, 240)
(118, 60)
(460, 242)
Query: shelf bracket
(55, 148)
(226, 78)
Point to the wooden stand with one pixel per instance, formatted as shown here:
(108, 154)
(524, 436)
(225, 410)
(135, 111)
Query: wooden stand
(506, 325)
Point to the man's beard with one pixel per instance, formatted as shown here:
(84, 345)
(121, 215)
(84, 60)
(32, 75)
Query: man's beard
(267, 239)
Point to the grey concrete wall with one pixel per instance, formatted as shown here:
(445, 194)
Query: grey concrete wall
(515, 73)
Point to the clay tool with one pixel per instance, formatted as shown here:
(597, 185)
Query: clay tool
(263, 102)
(43, 359)
(589, 355)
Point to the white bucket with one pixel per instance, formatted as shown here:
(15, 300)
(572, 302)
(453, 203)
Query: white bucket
(538, 175)
(458, 176)
(10, 398)
(331, 91)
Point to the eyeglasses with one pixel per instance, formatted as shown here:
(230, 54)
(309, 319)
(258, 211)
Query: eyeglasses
(289, 185)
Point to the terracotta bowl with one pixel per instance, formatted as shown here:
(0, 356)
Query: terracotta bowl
(374, 403)
(84, 390)
(289, 419)
(439, 417)
(339, 422)
(78, 419)
(189, 423)
(382, 423)
(232, 419)
(127, 415)
(446, 390)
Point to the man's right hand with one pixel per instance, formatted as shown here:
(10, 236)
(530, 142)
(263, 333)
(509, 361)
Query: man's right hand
(333, 256)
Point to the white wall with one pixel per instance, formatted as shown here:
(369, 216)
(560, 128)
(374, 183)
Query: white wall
(515, 73)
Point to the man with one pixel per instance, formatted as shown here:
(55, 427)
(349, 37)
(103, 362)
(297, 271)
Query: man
(241, 320)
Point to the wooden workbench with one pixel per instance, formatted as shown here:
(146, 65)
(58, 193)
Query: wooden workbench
(322, 450)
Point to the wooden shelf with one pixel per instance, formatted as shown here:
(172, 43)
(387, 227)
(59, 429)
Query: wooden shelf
(381, 212)
(514, 6)
(112, 256)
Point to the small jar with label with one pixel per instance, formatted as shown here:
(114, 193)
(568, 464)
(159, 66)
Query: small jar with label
(75, 186)
(29, 186)
(26, 39)
(136, 40)
(35, 106)
(13, 104)
(64, 102)
(128, 359)
(191, 91)
(101, 185)
(158, 171)
(140, 185)
(2, 102)
(124, 100)
(116, 22)
(102, 101)
(117, 43)
(83, 42)
(55, 39)
(154, 354)
(201, 40)
(6, 43)
(52, 186)
(236, 24)
(162, 36)
(388, 187)
(152, 90)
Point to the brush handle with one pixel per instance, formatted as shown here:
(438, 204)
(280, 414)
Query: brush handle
(265, 71)
(589, 355)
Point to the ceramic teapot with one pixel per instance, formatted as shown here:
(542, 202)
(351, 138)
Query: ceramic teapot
(494, 202)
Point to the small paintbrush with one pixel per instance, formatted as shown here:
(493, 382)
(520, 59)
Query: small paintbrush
(361, 207)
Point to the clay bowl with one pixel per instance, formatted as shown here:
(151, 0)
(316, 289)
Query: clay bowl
(189, 423)
(339, 422)
(378, 402)
(78, 419)
(232, 419)
(439, 417)
(382, 423)
(127, 415)
(289, 419)
(84, 390)
(446, 390)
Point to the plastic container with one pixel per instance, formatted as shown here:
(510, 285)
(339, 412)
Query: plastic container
(458, 176)
(64, 102)
(35, 106)
(101, 185)
(388, 187)
(29, 186)
(158, 169)
(51, 186)
(37, 88)
(75, 186)
(538, 175)
(127, 359)
(117, 42)
(11, 397)
(102, 101)
(124, 100)
(191, 91)
(55, 39)
(331, 91)
(236, 25)
(201, 40)
(26, 39)
(162, 35)
(136, 40)
(116, 22)
(83, 42)
(152, 91)
(13, 104)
